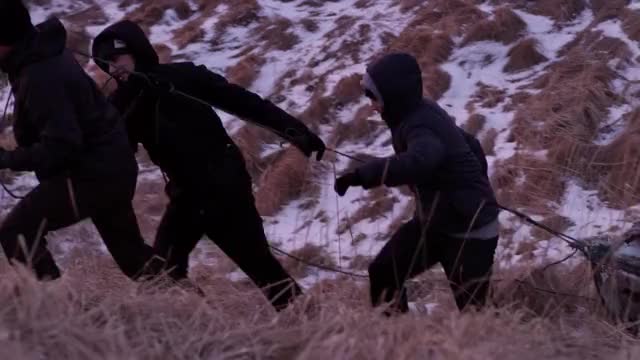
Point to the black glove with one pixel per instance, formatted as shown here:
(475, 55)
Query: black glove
(344, 182)
(309, 143)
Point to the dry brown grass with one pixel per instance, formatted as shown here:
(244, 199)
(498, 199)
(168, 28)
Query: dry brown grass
(619, 164)
(560, 10)
(348, 89)
(189, 33)
(436, 82)
(94, 312)
(567, 113)
(360, 128)
(242, 13)
(311, 253)
(528, 182)
(524, 55)
(475, 123)
(486, 96)
(608, 9)
(427, 47)
(284, 180)
(489, 142)
(152, 12)
(276, 34)
(631, 24)
(245, 71)
(378, 203)
(505, 27)
(452, 17)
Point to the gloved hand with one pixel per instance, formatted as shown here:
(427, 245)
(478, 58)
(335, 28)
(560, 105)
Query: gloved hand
(344, 182)
(308, 144)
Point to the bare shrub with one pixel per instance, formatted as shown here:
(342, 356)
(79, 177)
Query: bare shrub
(524, 55)
(283, 181)
(245, 71)
(505, 27)
(475, 123)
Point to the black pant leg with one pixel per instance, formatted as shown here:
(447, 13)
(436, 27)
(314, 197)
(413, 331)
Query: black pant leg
(407, 254)
(236, 227)
(178, 234)
(119, 230)
(468, 265)
(46, 208)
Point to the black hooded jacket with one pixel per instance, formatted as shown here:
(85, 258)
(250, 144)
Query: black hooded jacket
(433, 155)
(63, 124)
(183, 136)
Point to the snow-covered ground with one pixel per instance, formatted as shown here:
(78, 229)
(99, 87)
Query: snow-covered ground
(297, 225)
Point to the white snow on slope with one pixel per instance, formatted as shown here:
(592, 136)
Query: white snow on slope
(483, 62)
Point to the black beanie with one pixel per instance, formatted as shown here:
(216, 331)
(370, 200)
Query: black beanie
(15, 22)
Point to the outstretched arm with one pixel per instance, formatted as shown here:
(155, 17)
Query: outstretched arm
(424, 154)
(236, 100)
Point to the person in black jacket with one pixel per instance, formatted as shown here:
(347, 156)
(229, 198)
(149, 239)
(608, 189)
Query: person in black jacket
(456, 219)
(75, 142)
(169, 111)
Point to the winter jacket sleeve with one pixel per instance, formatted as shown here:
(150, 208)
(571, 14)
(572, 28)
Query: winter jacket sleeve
(424, 154)
(53, 114)
(236, 100)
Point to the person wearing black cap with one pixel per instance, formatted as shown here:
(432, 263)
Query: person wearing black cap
(456, 221)
(75, 142)
(168, 109)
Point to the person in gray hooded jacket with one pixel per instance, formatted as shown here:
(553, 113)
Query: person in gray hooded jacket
(456, 218)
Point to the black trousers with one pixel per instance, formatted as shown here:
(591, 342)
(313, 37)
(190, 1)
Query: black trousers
(412, 250)
(60, 202)
(229, 218)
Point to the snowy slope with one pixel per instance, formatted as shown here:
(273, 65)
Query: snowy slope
(328, 223)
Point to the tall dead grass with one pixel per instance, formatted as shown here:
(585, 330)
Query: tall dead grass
(94, 312)
(505, 27)
(524, 55)
(285, 180)
(245, 71)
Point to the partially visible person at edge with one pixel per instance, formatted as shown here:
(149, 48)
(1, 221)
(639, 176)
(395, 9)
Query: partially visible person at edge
(75, 142)
(456, 219)
(209, 187)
